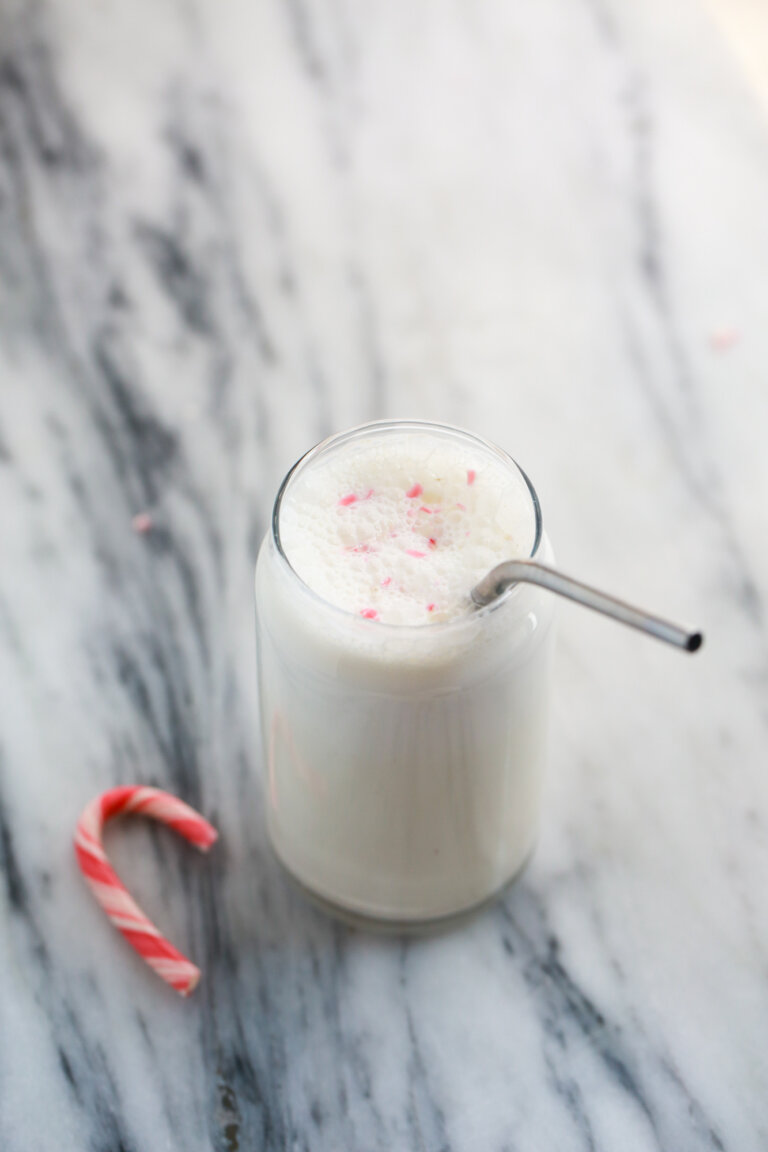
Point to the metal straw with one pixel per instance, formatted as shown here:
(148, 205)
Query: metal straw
(532, 572)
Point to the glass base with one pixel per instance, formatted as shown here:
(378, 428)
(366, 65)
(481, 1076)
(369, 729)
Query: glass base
(392, 926)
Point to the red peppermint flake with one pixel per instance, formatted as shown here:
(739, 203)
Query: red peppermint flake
(430, 607)
(368, 494)
(369, 613)
(415, 552)
(432, 542)
(386, 583)
(415, 491)
(347, 500)
(471, 474)
(722, 339)
(425, 509)
(462, 507)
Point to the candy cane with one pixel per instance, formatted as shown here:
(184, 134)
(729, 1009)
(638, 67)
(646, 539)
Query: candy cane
(110, 891)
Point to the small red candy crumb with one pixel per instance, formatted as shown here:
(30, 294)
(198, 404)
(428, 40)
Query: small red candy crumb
(414, 552)
(415, 491)
(347, 500)
(723, 338)
(387, 582)
(369, 613)
(471, 475)
(462, 507)
(368, 494)
(142, 523)
(425, 509)
(361, 548)
(432, 542)
(430, 607)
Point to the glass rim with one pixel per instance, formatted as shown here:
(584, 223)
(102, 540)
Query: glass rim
(339, 438)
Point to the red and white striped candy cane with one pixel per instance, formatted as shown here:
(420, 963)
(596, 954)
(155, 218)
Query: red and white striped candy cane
(110, 891)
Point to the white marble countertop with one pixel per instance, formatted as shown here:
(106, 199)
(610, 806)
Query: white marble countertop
(225, 231)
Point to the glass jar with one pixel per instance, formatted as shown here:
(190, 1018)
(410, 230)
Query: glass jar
(404, 762)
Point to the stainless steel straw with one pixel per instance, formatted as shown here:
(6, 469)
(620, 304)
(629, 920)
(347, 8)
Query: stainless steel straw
(532, 572)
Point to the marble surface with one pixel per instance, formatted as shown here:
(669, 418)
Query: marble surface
(225, 231)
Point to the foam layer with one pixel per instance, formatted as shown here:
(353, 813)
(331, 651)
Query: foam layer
(399, 526)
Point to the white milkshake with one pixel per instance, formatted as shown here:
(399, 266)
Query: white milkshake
(404, 731)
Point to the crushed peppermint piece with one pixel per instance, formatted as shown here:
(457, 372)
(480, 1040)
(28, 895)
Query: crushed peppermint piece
(722, 339)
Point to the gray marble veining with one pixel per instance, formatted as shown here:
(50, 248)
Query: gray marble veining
(225, 231)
